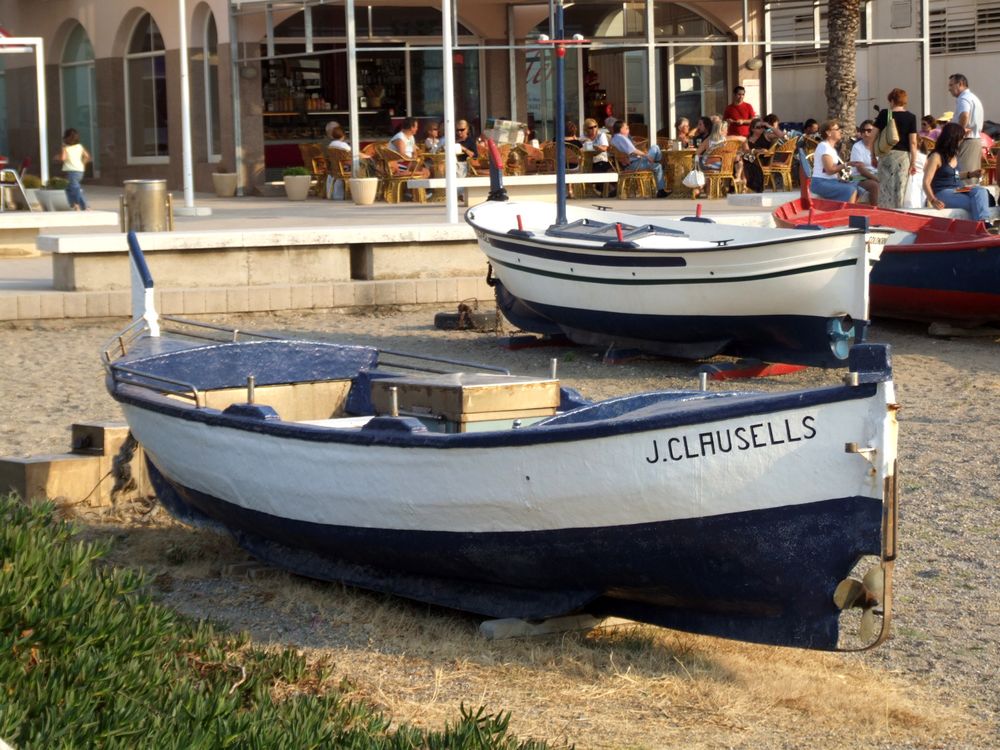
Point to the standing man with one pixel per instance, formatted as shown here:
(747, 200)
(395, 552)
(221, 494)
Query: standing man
(739, 114)
(969, 114)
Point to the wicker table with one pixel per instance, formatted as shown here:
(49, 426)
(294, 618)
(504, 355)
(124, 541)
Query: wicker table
(676, 164)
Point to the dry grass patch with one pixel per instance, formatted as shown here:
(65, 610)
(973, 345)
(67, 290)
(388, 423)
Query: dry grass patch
(623, 686)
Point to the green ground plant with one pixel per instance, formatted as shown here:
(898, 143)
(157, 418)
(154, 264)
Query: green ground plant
(87, 659)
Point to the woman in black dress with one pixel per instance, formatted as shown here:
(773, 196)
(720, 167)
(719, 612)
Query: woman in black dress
(895, 168)
(756, 143)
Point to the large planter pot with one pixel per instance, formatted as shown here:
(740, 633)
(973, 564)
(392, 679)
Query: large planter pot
(224, 184)
(364, 190)
(53, 200)
(297, 186)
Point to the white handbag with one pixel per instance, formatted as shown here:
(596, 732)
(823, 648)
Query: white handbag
(694, 179)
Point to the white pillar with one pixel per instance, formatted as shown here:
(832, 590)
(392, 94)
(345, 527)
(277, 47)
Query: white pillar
(188, 170)
(352, 83)
(450, 190)
(43, 121)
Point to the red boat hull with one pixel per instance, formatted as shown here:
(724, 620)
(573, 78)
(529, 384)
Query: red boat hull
(946, 269)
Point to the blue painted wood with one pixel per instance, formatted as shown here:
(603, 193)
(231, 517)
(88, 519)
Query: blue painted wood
(763, 576)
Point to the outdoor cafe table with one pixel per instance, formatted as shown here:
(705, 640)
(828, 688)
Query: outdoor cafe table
(676, 164)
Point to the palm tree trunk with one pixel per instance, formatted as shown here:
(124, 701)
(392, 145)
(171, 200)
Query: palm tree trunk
(843, 23)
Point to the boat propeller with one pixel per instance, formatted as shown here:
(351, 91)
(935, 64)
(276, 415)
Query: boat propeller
(865, 594)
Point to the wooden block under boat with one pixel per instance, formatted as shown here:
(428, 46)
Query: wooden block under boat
(469, 397)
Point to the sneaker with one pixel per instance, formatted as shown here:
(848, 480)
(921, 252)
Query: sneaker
(663, 193)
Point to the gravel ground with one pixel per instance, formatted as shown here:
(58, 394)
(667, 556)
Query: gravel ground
(946, 627)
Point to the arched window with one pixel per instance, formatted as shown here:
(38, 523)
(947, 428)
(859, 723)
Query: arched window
(146, 94)
(78, 79)
(210, 46)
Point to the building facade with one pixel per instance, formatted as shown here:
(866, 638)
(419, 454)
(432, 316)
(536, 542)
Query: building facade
(267, 75)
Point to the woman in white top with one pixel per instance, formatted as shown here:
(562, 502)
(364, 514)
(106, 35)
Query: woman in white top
(828, 166)
(74, 160)
(433, 142)
(864, 165)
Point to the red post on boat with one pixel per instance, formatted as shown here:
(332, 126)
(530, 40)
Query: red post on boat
(697, 210)
(520, 223)
(621, 235)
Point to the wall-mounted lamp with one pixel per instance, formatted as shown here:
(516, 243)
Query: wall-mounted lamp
(754, 63)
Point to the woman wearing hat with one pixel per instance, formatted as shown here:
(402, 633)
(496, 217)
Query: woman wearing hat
(895, 168)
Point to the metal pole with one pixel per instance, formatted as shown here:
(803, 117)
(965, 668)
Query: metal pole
(352, 85)
(186, 111)
(560, 53)
(925, 54)
(234, 95)
(450, 189)
(652, 121)
(43, 120)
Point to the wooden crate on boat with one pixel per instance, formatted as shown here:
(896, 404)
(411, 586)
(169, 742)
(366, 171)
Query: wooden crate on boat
(467, 401)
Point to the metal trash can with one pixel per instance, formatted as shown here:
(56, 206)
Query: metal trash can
(146, 206)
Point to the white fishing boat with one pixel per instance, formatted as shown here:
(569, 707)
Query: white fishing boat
(741, 515)
(683, 288)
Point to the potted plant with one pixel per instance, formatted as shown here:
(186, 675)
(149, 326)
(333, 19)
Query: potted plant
(53, 197)
(364, 186)
(224, 182)
(298, 180)
(31, 183)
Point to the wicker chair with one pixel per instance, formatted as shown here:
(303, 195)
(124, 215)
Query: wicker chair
(779, 162)
(638, 182)
(340, 166)
(715, 179)
(314, 159)
(394, 170)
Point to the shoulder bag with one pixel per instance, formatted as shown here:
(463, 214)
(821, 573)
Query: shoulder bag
(887, 136)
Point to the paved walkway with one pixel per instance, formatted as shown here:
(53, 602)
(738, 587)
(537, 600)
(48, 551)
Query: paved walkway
(26, 289)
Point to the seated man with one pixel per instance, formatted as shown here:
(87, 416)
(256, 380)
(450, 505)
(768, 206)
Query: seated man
(639, 159)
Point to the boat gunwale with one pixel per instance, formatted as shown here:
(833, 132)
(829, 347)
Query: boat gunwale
(723, 406)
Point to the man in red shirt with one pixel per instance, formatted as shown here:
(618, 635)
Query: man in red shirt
(739, 114)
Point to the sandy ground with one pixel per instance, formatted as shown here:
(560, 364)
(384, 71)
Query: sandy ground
(932, 685)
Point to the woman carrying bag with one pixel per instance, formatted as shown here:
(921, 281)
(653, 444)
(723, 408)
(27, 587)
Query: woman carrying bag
(896, 147)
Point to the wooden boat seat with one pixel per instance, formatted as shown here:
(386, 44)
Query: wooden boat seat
(466, 402)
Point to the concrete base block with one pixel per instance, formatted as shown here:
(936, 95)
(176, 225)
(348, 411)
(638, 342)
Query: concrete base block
(85, 476)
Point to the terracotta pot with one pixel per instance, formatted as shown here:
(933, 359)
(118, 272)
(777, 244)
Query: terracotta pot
(224, 184)
(364, 190)
(297, 186)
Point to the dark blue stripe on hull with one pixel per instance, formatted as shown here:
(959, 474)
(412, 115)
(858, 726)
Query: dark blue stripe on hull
(766, 576)
(948, 270)
(793, 339)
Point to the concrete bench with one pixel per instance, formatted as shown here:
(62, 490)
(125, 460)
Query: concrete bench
(256, 257)
(20, 229)
(534, 187)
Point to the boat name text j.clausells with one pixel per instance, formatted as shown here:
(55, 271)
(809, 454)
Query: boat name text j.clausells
(743, 438)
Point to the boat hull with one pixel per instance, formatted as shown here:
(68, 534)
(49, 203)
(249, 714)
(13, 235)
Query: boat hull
(727, 514)
(717, 575)
(691, 290)
(934, 268)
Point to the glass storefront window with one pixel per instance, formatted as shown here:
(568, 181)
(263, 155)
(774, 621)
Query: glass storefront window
(78, 86)
(211, 63)
(146, 93)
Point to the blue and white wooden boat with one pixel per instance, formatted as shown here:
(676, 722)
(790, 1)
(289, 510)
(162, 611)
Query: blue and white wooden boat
(741, 515)
(689, 289)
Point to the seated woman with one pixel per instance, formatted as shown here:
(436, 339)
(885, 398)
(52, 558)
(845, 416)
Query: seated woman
(942, 181)
(828, 166)
(864, 165)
